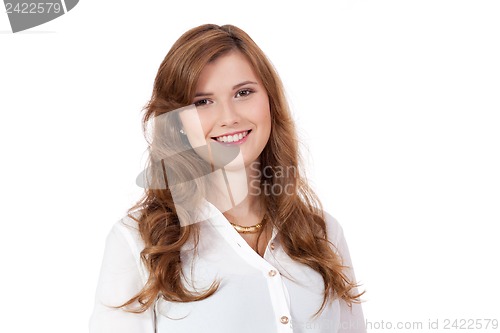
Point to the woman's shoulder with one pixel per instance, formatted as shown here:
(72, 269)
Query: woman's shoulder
(334, 230)
(128, 222)
(124, 245)
(335, 234)
(127, 230)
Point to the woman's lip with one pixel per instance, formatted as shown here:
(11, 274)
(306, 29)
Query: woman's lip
(231, 133)
(233, 142)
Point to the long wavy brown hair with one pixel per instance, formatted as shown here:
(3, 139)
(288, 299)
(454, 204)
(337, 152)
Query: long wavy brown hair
(296, 213)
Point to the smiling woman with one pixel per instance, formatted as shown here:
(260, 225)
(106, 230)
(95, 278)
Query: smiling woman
(233, 106)
(203, 253)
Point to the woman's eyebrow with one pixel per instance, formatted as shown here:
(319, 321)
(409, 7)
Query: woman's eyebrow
(198, 94)
(243, 83)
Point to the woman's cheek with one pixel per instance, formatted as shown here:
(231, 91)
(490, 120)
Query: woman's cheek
(207, 123)
(194, 126)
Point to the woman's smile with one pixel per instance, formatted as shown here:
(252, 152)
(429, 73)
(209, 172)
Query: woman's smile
(233, 138)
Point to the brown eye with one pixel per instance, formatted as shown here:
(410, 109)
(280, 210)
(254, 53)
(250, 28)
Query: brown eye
(201, 102)
(244, 92)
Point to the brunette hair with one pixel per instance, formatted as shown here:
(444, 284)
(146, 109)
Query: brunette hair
(297, 214)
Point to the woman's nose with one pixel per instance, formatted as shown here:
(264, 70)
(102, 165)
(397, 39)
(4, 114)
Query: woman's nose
(228, 115)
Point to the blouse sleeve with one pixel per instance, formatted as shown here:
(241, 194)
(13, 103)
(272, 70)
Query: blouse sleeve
(351, 318)
(121, 278)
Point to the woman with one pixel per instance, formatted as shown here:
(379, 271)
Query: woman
(228, 236)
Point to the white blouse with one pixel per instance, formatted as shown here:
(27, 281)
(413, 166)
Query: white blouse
(257, 294)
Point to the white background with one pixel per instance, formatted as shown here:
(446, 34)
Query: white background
(397, 102)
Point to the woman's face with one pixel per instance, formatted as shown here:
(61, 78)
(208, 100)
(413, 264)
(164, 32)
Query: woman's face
(232, 109)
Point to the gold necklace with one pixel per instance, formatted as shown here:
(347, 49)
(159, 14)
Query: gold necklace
(251, 229)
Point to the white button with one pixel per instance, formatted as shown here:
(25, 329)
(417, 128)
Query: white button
(272, 246)
(284, 320)
(272, 272)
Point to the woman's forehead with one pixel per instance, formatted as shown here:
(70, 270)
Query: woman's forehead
(226, 72)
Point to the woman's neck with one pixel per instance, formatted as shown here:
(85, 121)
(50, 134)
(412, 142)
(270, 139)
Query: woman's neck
(234, 194)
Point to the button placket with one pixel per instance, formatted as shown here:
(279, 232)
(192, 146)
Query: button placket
(277, 289)
(280, 303)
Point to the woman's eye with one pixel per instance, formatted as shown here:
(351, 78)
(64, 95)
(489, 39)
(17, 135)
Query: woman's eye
(244, 92)
(201, 102)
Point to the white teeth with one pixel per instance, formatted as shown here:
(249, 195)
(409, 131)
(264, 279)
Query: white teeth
(232, 138)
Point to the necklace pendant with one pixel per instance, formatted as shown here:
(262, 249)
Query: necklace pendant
(248, 230)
